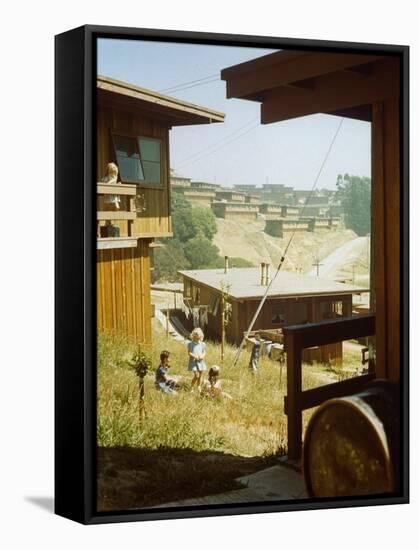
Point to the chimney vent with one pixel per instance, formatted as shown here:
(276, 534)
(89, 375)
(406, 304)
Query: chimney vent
(225, 264)
(262, 273)
(266, 274)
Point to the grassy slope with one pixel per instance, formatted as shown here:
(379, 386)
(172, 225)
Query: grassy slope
(188, 446)
(248, 240)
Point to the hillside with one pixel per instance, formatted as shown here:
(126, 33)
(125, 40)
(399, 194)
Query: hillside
(247, 239)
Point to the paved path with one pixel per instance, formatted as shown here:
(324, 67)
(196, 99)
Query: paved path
(272, 484)
(345, 254)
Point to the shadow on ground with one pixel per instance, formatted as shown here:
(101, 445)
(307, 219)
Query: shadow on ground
(138, 478)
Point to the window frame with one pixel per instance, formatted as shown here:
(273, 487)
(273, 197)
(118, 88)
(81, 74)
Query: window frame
(137, 137)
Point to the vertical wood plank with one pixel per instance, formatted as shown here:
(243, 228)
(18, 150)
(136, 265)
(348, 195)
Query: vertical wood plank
(392, 194)
(378, 217)
(294, 387)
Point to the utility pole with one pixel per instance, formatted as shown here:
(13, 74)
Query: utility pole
(317, 264)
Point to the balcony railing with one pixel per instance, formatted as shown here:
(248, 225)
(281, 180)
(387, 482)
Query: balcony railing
(127, 215)
(318, 334)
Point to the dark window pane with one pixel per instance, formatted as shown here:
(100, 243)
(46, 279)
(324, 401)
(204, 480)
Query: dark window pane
(150, 149)
(128, 158)
(152, 171)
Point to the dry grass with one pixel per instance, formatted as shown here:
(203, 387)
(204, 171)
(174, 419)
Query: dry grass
(251, 424)
(188, 446)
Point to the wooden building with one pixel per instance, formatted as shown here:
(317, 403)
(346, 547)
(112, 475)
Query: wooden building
(235, 210)
(230, 195)
(293, 299)
(133, 132)
(198, 196)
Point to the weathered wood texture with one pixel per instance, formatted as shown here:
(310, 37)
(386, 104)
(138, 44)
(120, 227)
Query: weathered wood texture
(296, 339)
(155, 220)
(123, 291)
(386, 236)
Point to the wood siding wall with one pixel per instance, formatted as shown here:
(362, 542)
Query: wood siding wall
(243, 311)
(123, 291)
(155, 221)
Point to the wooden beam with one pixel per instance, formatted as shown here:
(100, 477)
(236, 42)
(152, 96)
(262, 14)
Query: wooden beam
(116, 242)
(386, 236)
(116, 189)
(316, 396)
(360, 112)
(328, 332)
(116, 215)
(333, 92)
(283, 72)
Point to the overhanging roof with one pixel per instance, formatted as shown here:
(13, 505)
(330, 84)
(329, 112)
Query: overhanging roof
(291, 84)
(174, 111)
(245, 283)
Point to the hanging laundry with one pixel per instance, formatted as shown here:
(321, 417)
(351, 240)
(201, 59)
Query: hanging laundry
(195, 315)
(203, 316)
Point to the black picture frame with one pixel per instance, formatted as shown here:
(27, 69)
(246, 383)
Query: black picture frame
(75, 244)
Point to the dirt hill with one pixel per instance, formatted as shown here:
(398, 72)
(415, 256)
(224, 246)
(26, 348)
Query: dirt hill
(248, 240)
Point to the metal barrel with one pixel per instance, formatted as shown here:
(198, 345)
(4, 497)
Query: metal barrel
(352, 444)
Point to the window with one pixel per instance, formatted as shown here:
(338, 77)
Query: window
(138, 158)
(278, 315)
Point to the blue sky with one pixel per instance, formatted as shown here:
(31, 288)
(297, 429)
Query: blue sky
(241, 150)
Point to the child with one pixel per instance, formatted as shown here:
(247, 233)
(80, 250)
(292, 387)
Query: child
(196, 353)
(254, 357)
(112, 177)
(212, 387)
(163, 382)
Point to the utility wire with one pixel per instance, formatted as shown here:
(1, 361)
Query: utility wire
(255, 316)
(218, 148)
(198, 153)
(211, 76)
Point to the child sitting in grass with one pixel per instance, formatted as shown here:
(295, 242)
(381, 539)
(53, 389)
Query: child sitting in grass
(212, 387)
(164, 382)
(196, 353)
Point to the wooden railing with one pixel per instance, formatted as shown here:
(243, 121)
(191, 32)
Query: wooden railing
(127, 215)
(318, 334)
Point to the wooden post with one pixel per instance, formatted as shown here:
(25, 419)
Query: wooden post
(141, 402)
(223, 326)
(167, 320)
(295, 416)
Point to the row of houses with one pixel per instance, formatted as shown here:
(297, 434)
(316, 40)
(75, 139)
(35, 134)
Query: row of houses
(205, 193)
(247, 202)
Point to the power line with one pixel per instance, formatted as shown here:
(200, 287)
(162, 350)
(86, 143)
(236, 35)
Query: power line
(255, 316)
(198, 153)
(218, 148)
(171, 88)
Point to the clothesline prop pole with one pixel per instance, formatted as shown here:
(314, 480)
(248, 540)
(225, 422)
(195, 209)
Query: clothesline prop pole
(225, 288)
(167, 319)
(262, 302)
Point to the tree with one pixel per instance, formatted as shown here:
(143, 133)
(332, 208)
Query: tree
(188, 223)
(168, 260)
(233, 261)
(200, 253)
(178, 201)
(354, 194)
